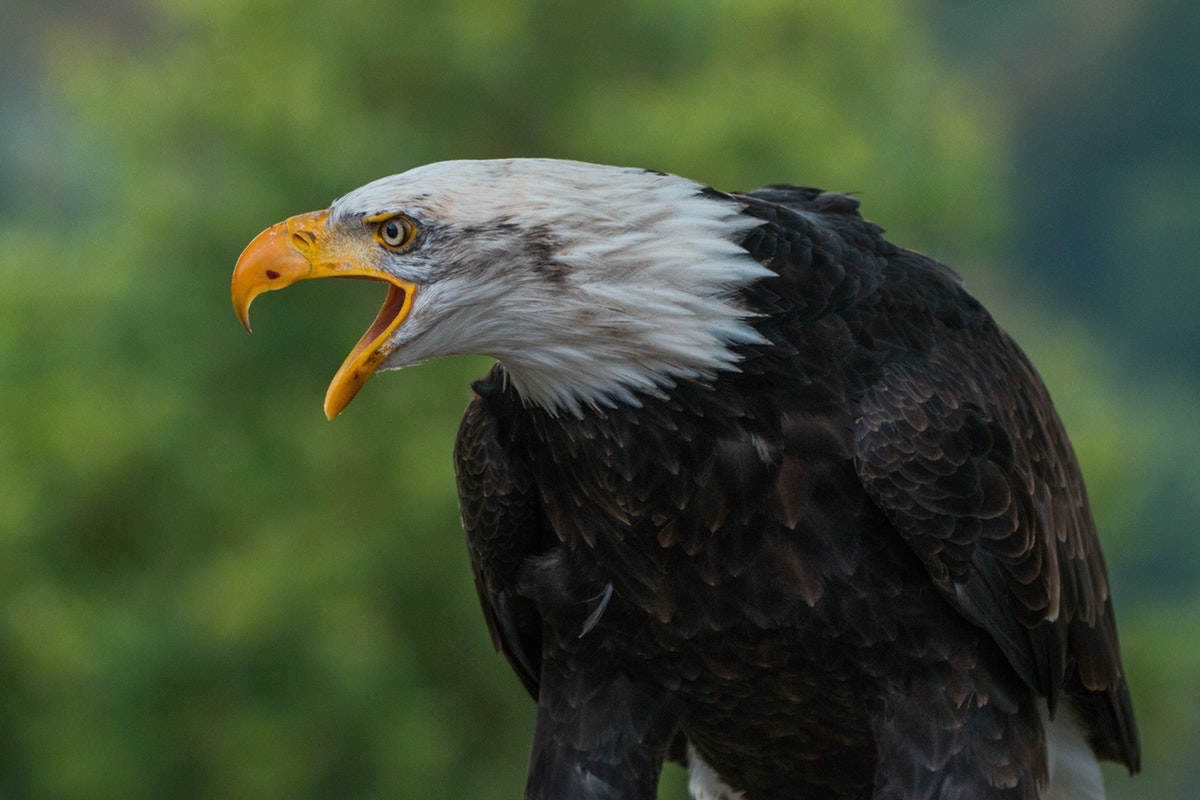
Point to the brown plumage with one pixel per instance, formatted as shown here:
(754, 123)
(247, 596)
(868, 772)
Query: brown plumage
(857, 562)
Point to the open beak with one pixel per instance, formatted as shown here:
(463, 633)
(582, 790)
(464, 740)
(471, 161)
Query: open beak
(301, 248)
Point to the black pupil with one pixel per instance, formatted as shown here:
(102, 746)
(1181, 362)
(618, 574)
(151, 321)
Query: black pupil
(392, 232)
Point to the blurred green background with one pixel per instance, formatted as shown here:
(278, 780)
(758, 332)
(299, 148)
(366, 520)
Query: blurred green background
(208, 591)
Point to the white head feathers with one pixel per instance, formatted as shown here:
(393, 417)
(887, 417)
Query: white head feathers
(588, 283)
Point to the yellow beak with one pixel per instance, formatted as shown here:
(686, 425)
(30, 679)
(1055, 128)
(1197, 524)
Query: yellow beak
(301, 248)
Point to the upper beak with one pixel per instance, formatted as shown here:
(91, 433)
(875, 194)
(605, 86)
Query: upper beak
(300, 248)
(272, 260)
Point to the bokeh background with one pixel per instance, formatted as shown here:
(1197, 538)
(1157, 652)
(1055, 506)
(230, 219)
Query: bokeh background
(208, 591)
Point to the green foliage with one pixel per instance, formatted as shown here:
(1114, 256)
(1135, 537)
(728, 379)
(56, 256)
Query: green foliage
(208, 591)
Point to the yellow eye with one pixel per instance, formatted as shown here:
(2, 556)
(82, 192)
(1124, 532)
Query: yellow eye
(395, 232)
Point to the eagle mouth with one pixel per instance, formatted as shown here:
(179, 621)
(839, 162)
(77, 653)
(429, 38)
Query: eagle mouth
(373, 347)
(386, 320)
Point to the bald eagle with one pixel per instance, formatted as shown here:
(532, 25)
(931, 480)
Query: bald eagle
(748, 487)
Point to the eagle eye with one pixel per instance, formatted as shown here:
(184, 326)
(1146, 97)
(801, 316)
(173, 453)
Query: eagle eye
(395, 232)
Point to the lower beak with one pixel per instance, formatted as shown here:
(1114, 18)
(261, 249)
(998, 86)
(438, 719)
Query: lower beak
(299, 249)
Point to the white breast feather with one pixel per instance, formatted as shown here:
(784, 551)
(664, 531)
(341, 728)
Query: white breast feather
(1074, 770)
(704, 783)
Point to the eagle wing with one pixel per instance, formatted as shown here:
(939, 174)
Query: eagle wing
(599, 735)
(960, 446)
(503, 522)
(956, 440)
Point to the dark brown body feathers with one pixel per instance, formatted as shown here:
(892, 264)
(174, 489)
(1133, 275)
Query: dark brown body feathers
(853, 569)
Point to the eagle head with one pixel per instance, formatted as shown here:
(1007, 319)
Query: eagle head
(589, 284)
